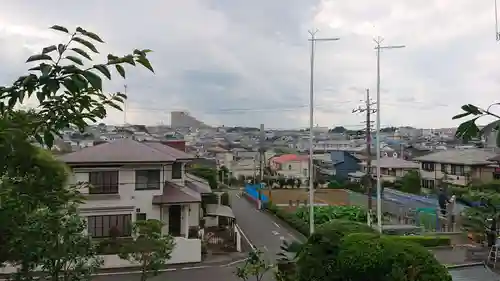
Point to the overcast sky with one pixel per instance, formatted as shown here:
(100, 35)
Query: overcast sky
(238, 62)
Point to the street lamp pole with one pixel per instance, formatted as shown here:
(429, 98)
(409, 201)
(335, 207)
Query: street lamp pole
(378, 47)
(313, 41)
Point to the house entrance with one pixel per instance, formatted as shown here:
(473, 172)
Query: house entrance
(174, 220)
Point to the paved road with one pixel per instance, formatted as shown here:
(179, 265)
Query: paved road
(263, 230)
(201, 274)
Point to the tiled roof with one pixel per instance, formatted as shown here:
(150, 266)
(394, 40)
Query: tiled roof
(390, 162)
(289, 157)
(455, 156)
(173, 193)
(125, 151)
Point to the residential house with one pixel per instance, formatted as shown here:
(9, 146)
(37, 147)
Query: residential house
(291, 165)
(339, 163)
(456, 167)
(130, 180)
(391, 168)
(244, 168)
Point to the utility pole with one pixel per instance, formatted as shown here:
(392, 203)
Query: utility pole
(368, 177)
(378, 47)
(261, 161)
(313, 41)
(125, 106)
(497, 34)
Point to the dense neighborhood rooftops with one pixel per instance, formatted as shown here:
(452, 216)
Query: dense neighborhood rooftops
(463, 157)
(126, 151)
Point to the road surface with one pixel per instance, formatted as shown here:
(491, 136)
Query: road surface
(216, 273)
(263, 230)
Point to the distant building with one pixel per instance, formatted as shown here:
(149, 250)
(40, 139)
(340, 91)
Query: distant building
(182, 119)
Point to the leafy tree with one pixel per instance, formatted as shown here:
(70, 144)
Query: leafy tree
(338, 130)
(151, 249)
(33, 185)
(255, 266)
(411, 182)
(282, 182)
(299, 183)
(67, 85)
(290, 182)
(469, 129)
(223, 174)
(56, 242)
(209, 174)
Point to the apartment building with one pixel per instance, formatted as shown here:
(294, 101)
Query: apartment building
(456, 167)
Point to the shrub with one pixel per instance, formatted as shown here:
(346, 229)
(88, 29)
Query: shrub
(324, 214)
(383, 258)
(423, 240)
(344, 227)
(289, 218)
(336, 256)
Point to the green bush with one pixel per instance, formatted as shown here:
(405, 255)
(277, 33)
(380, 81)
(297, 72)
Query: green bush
(324, 214)
(344, 227)
(423, 240)
(289, 218)
(384, 259)
(338, 256)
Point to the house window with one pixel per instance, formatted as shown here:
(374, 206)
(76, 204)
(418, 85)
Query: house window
(177, 170)
(147, 179)
(103, 182)
(429, 167)
(289, 167)
(110, 225)
(457, 170)
(140, 216)
(428, 184)
(305, 172)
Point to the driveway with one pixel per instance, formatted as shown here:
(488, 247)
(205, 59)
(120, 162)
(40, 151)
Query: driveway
(262, 229)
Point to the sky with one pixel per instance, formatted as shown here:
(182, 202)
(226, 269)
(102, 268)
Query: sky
(235, 62)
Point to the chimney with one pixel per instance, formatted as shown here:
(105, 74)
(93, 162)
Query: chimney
(177, 144)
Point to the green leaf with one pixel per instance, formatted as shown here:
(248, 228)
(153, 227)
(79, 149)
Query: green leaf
(93, 79)
(49, 49)
(48, 139)
(39, 57)
(60, 28)
(89, 34)
(61, 48)
(75, 60)
(468, 130)
(120, 70)
(472, 109)
(40, 96)
(82, 53)
(461, 115)
(145, 51)
(129, 59)
(103, 69)
(145, 62)
(86, 44)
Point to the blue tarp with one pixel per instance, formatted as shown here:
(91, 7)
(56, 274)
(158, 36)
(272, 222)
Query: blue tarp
(252, 190)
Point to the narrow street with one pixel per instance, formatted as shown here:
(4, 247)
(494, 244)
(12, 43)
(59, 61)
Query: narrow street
(263, 230)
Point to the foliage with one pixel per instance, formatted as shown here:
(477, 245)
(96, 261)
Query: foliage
(384, 259)
(335, 255)
(56, 242)
(290, 218)
(209, 174)
(152, 249)
(469, 130)
(255, 266)
(40, 227)
(410, 183)
(282, 182)
(290, 182)
(223, 174)
(324, 214)
(423, 240)
(67, 85)
(299, 183)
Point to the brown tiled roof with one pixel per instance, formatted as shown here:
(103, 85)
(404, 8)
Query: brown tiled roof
(125, 151)
(173, 193)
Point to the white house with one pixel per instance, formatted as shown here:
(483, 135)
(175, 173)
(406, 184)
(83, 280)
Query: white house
(130, 180)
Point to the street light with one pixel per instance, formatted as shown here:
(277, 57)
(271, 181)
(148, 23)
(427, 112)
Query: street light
(378, 41)
(313, 41)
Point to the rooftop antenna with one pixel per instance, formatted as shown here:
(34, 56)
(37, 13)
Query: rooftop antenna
(497, 34)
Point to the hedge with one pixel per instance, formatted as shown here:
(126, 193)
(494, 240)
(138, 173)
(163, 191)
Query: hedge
(423, 240)
(289, 218)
